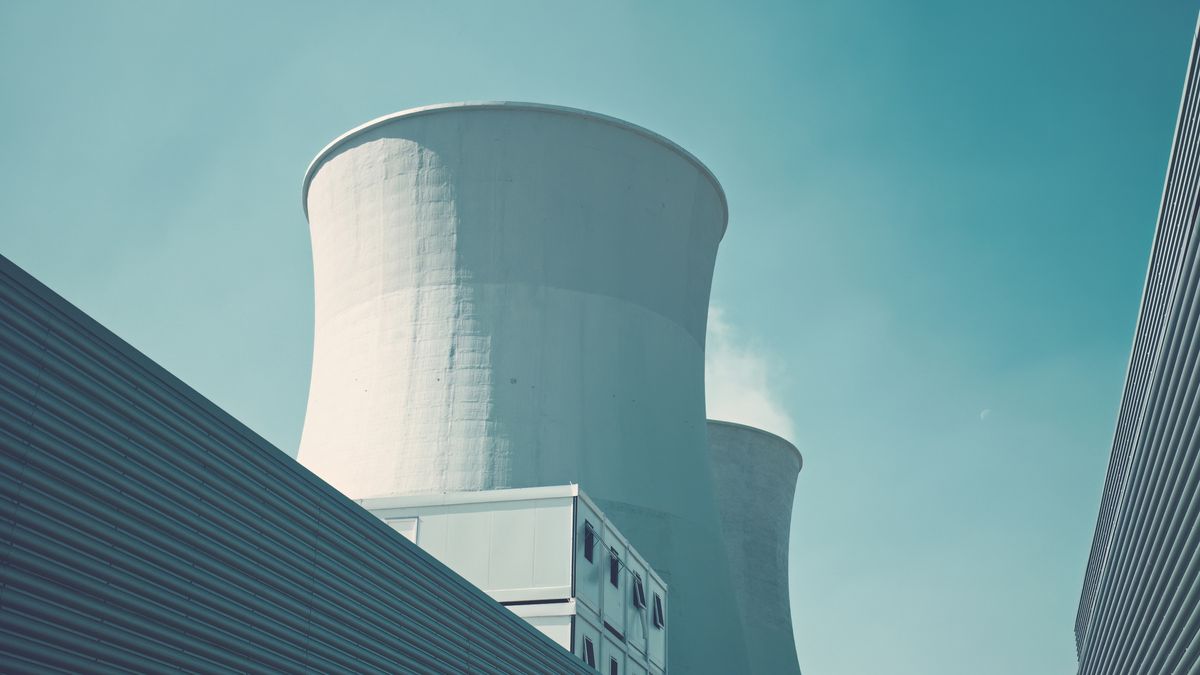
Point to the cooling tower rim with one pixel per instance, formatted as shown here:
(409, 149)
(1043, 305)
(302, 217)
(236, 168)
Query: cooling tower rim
(336, 143)
(763, 432)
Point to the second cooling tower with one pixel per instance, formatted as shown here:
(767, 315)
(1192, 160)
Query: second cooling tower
(514, 295)
(754, 472)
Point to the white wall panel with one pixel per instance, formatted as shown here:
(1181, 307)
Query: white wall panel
(557, 628)
(518, 550)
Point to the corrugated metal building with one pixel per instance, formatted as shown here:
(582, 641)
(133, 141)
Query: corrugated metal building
(1140, 607)
(145, 530)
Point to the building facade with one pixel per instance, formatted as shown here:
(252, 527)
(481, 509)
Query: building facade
(1140, 607)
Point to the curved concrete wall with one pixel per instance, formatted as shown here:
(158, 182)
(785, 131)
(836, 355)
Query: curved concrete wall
(755, 473)
(513, 295)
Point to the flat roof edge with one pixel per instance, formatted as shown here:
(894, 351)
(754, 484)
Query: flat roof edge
(419, 500)
(468, 497)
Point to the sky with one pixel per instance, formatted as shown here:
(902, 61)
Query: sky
(940, 219)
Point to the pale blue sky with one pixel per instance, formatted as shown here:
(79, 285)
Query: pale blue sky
(937, 208)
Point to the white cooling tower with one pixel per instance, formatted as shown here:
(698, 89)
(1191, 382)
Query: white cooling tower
(754, 473)
(514, 295)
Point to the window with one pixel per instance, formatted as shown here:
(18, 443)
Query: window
(639, 592)
(589, 652)
(613, 668)
(659, 618)
(589, 541)
(614, 568)
(405, 526)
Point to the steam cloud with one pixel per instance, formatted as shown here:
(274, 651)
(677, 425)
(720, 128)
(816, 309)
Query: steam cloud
(739, 380)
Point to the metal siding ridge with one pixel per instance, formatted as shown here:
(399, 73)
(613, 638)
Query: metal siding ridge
(259, 560)
(1150, 493)
(1172, 482)
(57, 587)
(1125, 582)
(1151, 489)
(169, 607)
(1180, 425)
(33, 657)
(158, 566)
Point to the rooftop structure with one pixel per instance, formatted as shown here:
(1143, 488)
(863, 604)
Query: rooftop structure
(551, 556)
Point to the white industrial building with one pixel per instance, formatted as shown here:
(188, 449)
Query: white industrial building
(515, 296)
(551, 556)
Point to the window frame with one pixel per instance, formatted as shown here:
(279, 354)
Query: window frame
(614, 567)
(639, 592)
(589, 651)
(403, 525)
(589, 541)
(659, 618)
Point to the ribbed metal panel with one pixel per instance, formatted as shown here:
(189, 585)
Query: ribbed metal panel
(143, 529)
(1140, 608)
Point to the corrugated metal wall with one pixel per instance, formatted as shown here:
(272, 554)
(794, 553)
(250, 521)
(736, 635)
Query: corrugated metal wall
(1175, 222)
(144, 529)
(1140, 609)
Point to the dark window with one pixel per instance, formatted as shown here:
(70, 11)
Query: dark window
(589, 653)
(639, 592)
(589, 541)
(614, 567)
(659, 618)
(613, 668)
